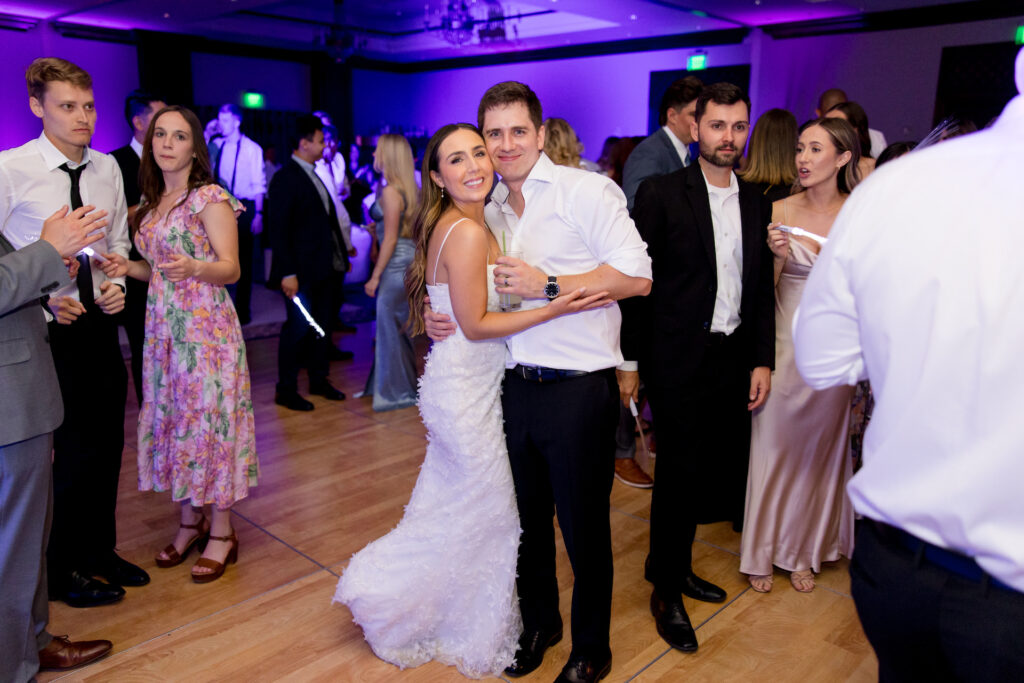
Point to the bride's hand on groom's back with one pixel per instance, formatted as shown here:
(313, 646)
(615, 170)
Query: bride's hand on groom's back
(438, 325)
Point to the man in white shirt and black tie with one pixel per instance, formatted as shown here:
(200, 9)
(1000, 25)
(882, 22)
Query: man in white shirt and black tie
(58, 168)
(920, 289)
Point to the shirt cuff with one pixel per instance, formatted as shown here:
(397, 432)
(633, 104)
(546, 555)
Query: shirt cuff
(629, 366)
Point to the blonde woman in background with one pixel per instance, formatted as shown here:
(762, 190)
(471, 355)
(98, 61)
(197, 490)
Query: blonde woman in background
(392, 381)
(560, 143)
(771, 164)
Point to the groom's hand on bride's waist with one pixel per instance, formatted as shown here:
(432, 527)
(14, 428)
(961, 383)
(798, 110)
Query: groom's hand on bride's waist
(438, 325)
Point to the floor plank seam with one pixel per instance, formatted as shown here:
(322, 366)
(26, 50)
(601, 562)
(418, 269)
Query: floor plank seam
(721, 609)
(630, 514)
(282, 541)
(713, 545)
(190, 623)
(837, 592)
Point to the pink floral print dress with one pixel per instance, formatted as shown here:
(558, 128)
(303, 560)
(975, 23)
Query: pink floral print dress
(196, 436)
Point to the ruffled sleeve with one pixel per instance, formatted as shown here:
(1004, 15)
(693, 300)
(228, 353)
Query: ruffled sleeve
(213, 193)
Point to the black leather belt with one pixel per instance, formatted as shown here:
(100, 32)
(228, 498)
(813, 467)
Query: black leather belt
(716, 338)
(953, 562)
(535, 373)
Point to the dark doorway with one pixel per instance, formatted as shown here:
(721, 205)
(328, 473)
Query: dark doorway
(660, 80)
(975, 82)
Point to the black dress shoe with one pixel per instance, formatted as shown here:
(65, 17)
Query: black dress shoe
(530, 654)
(292, 400)
(584, 670)
(673, 623)
(340, 354)
(119, 571)
(699, 589)
(327, 391)
(81, 590)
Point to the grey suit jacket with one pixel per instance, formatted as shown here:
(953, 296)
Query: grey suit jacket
(30, 400)
(654, 156)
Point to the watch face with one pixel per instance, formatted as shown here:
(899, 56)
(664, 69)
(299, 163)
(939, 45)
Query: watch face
(551, 290)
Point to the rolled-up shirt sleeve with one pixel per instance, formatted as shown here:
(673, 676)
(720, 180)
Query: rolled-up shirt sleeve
(826, 327)
(609, 232)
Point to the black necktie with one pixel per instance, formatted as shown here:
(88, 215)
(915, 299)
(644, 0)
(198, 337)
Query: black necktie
(84, 279)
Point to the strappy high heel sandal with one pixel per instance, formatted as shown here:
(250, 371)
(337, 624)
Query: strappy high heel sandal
(173, 558)
(216, 567)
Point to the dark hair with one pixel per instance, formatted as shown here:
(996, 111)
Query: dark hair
(770, 157)
(232, 109)
(43, 71)
(151, 178)
(858, 118)
(433, 203)
(617, 159)
(678, 95)
(844, 138)
(720, 93)
(831, 98)
(304, 128)
(137, 103)
(507, 93)
(894, 151)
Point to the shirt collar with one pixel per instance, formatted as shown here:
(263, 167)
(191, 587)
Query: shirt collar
(543, 170)
(53, 157)
(306, 166)
(723, 192)
(681, 149)
(136, 146)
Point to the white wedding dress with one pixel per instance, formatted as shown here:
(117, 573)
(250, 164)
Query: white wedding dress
(441, 584)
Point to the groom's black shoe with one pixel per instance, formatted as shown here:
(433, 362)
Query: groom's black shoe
(530, 654)
(581, 669)
(673, 623)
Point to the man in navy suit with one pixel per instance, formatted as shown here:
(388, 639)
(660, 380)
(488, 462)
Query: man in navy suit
(307, 253)
(665, 150)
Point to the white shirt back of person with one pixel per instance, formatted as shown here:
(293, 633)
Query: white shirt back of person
(921, 288)
(574, 221)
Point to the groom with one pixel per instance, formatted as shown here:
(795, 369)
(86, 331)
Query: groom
(560, 396)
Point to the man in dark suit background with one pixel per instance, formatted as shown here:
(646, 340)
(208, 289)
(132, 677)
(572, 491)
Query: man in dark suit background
(30, 409)
(664, 150)
(705, 342)
(307, 253)
(139, 108)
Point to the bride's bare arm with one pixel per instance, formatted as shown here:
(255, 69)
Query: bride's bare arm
(465, 259)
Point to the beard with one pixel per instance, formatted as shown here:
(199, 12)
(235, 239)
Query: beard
(717, 157)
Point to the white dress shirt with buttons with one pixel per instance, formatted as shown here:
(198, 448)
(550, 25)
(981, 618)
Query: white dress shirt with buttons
(333, 177)
(248, 180)
(921, 289)
(725, 219)
(33, 187)
(574, 221)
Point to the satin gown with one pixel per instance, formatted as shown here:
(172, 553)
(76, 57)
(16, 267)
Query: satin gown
(797, 512)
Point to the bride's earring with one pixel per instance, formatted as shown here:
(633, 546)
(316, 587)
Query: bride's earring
(442, 193)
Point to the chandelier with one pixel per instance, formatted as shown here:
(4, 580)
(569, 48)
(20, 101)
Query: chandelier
(460, 20)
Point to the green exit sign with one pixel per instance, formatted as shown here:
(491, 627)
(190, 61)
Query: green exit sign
(1020, 35)
(253, 100)
(697, 63)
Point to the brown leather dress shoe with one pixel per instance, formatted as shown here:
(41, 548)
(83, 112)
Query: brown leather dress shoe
(61, 653)
(631, 474)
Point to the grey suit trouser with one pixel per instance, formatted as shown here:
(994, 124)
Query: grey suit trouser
(26, 507)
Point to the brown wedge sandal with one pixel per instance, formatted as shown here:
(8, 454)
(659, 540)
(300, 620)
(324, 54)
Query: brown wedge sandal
(173, 558)
(217, 567)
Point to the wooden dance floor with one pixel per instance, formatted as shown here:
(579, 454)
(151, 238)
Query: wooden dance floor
(338, 477)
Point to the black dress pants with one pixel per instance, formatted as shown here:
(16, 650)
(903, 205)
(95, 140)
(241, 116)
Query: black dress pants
(703, 430)
(87, 447)
(133, 318)
(561, 445)
(299, 344)
(927, 623)
(241, 291)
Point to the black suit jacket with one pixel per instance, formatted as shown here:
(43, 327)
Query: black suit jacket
(302, 233)
(666, 330)
(128, 161)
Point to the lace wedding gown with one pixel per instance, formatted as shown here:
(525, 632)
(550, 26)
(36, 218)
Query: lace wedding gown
(441, 585)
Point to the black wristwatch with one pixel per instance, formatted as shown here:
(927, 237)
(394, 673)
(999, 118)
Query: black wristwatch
(552, 289)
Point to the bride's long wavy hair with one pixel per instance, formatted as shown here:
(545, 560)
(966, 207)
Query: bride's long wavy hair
(433, 203)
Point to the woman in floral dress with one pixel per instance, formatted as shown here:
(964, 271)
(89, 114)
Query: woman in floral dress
(195, 429)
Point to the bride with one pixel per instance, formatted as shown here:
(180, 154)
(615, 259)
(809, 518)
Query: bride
(441, 585)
